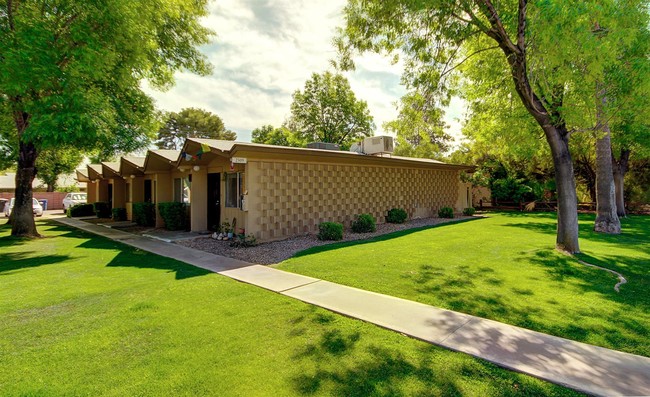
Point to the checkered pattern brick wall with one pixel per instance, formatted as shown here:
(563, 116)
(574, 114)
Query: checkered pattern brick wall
(293, 198)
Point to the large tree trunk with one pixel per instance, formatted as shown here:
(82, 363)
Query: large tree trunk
(606, 219)
(620, 169)
(547, 115)
(22, 214)
(567, 200)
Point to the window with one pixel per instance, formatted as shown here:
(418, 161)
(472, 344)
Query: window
(178, 190)
(234, 190)
(182, 190)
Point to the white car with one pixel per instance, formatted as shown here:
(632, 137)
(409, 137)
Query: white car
(36, 206)
(71, 199)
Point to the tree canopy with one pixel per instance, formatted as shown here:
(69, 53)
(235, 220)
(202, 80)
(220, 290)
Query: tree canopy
(280, 136)
(191, 123)
(70, 73)
(419, 128)
(328, 111)
(554, 79)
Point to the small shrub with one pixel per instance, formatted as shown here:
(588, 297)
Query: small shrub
(119, 214)
(173, 214)
(364, 223)
(469, 211)
(330, 231)
(446, 212)
(102, 209)
(396, 215)
(81, 210)
(243, 241)
(144, 214)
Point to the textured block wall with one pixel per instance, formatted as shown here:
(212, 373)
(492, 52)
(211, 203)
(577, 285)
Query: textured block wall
(288, 199)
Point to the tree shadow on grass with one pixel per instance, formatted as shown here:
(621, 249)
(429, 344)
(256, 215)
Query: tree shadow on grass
(383, 237)
(133, 257)
(13, 262)
(342, 364)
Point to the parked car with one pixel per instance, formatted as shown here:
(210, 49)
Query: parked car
(71, 199)
(36, 206)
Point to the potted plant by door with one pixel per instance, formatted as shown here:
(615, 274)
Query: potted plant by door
(232, 228)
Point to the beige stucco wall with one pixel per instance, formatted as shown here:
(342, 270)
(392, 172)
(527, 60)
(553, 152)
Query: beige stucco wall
(119, 192)
(91, 190)
(163, 193)
(290, 198)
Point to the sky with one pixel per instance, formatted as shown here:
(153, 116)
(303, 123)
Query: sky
(264, 51)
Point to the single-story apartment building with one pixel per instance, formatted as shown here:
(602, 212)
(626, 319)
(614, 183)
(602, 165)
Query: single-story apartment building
(276, 192)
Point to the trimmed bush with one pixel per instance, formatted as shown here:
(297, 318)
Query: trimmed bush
(144, 214)
(330, 231)
(80, 210)
(446, 212)
(396, 215)
(173, 213)
(364, 223)
(119, 214)
(243, 241)
(102, 209)
(469, 211)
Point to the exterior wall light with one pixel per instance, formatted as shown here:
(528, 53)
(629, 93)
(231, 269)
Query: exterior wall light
(196, 168)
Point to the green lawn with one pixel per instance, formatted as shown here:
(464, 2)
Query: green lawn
(504, 268)
(86, 316)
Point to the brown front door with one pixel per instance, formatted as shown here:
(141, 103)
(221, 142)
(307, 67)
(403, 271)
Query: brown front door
(214, 201)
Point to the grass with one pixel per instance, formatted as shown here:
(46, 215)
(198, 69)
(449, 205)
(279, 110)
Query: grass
(504, 268)
(86, 316)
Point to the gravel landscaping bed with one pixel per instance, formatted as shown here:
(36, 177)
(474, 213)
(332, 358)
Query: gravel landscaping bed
(277, 251)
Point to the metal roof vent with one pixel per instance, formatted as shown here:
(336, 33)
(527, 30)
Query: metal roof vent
(323, 146)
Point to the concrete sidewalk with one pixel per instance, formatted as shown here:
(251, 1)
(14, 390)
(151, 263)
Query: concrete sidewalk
(590, 369)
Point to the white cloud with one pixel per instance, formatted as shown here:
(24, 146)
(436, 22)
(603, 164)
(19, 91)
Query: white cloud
(263, 52)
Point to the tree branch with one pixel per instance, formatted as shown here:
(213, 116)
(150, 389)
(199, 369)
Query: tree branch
(498, 32)
(521, 26)
(447, 71)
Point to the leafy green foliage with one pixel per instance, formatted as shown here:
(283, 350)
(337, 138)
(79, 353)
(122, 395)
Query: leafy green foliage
(328, 111)
(330, 231)
(281, 136)
(419, 128)
(191, 123)
(52, 163)
(396, 215)
(119, 214)
(243, 241)
(102, 209)
(174, 214)
(469, 211)
(364, 223)
(446, 212)
(71, 74)
(144, 214)
(81, 210)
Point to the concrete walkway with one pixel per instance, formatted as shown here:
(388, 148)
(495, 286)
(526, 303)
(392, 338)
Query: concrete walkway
(590, 369)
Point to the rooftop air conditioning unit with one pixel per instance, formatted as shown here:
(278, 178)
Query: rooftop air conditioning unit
(323, 146)
(378, 145)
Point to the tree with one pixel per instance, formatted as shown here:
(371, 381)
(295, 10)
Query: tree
(191, 123)
(437, 37)
(281, 136)
(328, 111)
(419, 128)
(52, 163)
(70, 74)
